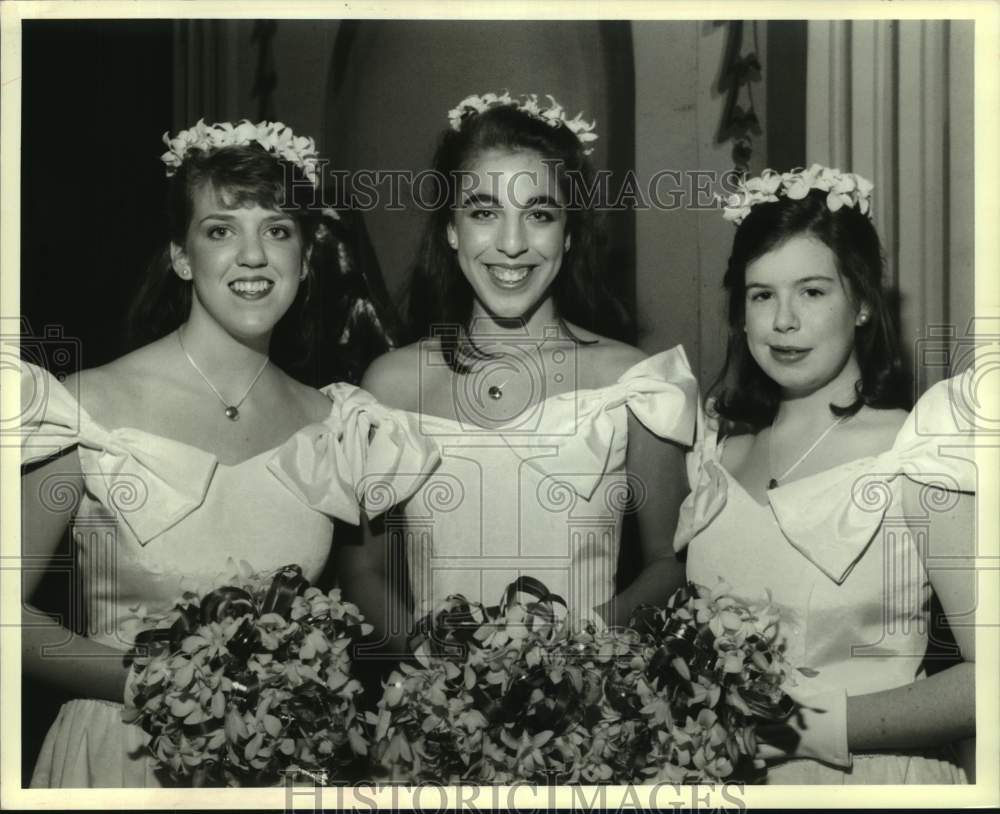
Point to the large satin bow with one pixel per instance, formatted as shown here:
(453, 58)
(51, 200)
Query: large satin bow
(833, 516)
(365, 455)
(150, 482)
(660, 391)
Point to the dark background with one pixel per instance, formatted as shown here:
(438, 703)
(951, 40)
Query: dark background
(92, 188)
(91, 193)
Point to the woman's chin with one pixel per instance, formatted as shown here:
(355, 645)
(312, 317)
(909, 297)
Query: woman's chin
(513, 309)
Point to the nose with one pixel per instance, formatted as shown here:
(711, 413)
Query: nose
(785, 317)
(251, 252)
(512, 237)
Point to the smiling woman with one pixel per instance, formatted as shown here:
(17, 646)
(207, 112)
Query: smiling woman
(509, 235)
(193, 452)
(252, 254)
(549, 431)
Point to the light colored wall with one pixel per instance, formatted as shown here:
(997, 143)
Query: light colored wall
(681, 254)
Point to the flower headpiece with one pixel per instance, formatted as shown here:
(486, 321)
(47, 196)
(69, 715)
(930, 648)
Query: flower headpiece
(275, 137)
(842, 188)
(553, 114)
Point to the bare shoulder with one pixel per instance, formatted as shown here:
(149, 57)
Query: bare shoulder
(311, 404)
(115, 389)
(874, 431)
(394, 378)
(736, 449)
(603, 360)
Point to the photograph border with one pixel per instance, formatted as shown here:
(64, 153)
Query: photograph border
(986, 791)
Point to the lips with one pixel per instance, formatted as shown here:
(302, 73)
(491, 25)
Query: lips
(508, 275)
(788, 353)
(251, 288)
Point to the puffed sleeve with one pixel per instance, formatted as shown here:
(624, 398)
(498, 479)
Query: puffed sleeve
(364, 455)
(709, 488)
(832, 517)
(150, 482)
(51, 418)
(660, 391)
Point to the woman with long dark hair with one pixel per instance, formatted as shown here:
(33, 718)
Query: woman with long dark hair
(548, 428)
(812, 484)
(195, 451)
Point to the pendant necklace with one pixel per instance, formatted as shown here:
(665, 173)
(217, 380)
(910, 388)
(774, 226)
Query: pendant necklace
(773, 482)
(495, 391)
(232, 411)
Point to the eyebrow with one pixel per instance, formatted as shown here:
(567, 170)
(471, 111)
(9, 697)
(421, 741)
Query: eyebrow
(809, 279)
(544, 200)
(231, 218)
(480, 199)
(485, 199)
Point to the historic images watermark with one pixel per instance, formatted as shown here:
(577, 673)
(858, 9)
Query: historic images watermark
(529, 798)
(666, 190)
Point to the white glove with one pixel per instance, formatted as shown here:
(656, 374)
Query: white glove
(816, 729)
(131, 678)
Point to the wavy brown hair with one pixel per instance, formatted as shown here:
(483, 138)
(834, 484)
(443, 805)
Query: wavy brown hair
(746, 397)
(341, 318)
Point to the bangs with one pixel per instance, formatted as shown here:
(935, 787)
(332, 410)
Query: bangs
(243, 196)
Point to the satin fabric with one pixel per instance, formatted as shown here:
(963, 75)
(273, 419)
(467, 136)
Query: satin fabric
(544, 500)
(844, 564)
(159, 517)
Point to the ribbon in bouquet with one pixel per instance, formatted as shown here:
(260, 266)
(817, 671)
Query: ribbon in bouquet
(251, 682)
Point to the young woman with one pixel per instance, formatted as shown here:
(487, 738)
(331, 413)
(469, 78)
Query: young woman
(545, 426)
(195, 451)
(811, 482)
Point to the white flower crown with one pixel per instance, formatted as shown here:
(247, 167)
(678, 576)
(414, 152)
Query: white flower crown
(842, 188)
(275, 137)
(553, 115)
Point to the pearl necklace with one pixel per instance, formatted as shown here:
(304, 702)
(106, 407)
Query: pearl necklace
(232, 411)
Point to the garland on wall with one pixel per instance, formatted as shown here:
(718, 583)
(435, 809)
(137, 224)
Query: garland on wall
(740, 69)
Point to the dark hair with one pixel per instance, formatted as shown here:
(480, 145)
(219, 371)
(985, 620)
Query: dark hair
(307, 339)
(439, 294)
(747, 397)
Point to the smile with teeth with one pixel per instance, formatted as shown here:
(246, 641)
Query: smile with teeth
(509, 275)
(251, 288)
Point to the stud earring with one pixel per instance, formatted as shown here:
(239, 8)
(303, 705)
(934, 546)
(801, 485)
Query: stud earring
(862, 318)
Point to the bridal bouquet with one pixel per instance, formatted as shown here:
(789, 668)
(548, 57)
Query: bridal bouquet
(712, 670)
(482, 702)
(251, 683)
(519, 693)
